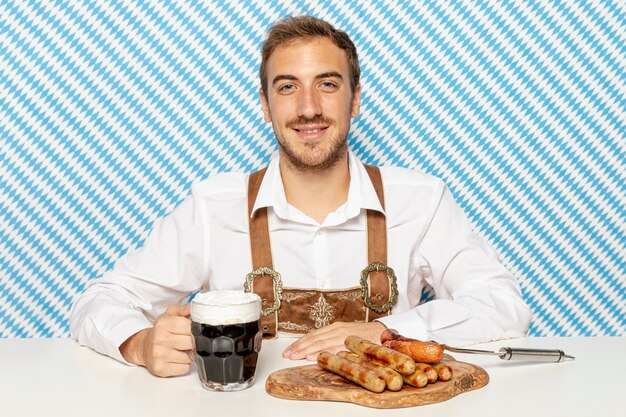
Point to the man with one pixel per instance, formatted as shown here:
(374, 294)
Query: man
(316, 218)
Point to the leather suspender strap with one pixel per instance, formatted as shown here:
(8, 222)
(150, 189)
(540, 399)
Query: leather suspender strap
(259, 229)
(262, 284)
(379, 288)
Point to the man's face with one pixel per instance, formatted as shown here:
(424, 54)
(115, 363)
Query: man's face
(309, 102)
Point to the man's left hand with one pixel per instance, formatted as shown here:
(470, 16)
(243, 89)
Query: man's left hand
(331, 338)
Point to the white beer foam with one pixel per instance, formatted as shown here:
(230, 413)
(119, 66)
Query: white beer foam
(225, 307)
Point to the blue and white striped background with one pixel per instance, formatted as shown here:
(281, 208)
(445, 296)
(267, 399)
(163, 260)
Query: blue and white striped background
(110, 110)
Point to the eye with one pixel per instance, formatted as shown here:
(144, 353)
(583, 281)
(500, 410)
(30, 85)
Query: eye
(286, 88)
(328, 86)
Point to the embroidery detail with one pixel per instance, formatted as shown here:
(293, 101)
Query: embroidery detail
(321, 312)
(294, 327)
(348, 295)
(292, 296)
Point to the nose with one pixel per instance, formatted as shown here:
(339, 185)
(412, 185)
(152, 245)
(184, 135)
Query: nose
(309, 103)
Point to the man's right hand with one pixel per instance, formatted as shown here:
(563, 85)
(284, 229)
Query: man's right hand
(165, 349)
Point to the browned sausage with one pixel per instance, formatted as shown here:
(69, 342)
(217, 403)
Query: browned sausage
(389, 334)
(392, 378)
(419, 351)
(429, 370)
(417, 379)
(426, 352)
(351, 371)
(444, 372)
(381, 354)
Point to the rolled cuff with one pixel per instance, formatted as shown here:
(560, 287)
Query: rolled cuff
(121, 332)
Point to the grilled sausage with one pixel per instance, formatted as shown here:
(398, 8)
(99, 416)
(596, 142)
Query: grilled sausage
(393, 379)
(389, 334)
(444, 372)
(429, 370)
(417, 379)
(381, 354)
(351, 371)
(424, 352)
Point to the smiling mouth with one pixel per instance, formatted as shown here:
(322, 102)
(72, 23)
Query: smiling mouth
(310, 131)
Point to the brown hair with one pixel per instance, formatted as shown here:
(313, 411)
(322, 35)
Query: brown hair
(292, 28)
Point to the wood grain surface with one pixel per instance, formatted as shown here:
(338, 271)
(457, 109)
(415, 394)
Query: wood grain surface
(311, 382)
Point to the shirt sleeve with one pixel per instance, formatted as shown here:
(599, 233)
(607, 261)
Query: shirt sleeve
(476, 298)
(143, 283)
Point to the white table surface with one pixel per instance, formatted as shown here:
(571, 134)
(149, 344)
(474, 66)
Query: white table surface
(56, 377)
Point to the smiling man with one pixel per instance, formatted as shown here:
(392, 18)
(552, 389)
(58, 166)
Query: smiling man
(349, 247)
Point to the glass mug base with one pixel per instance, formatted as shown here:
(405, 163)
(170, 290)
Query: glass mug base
(233, 386)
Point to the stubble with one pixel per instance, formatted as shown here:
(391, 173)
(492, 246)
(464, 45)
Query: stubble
(315, 157)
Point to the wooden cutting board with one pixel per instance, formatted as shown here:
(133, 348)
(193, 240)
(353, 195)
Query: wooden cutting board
(311, 382)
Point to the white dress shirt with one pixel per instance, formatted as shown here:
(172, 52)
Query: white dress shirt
(204, 243)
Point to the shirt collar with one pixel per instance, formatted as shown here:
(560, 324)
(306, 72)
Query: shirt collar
(271, 192)
(361, 192)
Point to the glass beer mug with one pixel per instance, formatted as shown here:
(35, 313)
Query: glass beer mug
(226, 329)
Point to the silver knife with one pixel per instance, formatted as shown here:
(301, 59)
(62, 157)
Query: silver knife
(508, 353)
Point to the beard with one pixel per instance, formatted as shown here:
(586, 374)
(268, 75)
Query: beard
(316, 156)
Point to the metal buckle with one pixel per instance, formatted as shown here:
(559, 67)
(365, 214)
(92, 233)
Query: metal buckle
(393, 292)
(277, 284)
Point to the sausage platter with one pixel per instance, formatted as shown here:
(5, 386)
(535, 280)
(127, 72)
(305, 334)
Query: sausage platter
(310, 382)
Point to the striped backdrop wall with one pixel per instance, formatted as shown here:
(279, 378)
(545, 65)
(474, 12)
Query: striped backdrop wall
(110, 110)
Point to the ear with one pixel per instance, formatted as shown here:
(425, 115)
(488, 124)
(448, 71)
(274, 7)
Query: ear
(356, 102)
(267, 116)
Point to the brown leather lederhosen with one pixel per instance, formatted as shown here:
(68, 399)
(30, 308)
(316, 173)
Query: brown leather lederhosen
(301, 310)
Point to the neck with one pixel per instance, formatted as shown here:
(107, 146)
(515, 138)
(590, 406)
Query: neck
(316, 193)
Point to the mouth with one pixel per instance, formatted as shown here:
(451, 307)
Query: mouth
(310, 132)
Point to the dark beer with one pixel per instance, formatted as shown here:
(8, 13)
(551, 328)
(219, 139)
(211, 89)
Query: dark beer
(226, 328)
(227, 354)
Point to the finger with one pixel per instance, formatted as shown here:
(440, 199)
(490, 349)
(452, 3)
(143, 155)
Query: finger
(310, 352)
(170, 369)
(169, 340)
(328, 341)
(296, 347)
(178, 310)
(163, 354)
(331, 349)
(312, 337)
(179, 357)
(179, 369)
(174, 325)
(181, 342)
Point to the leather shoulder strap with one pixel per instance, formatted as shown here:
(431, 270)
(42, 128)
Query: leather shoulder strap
(376, 223)
(261, 250)
(259, 229)
(379, 284)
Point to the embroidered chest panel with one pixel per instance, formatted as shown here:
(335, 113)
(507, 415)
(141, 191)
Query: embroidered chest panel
(304, 310)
